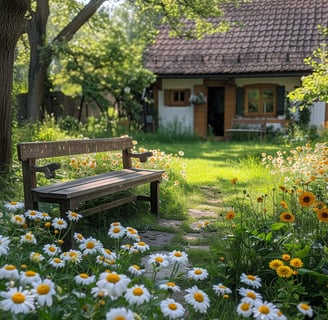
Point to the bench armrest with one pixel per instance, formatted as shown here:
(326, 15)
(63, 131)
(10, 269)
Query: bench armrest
(141, 156)
(49, 170)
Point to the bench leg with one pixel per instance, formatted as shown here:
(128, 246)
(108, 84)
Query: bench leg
(154, 197)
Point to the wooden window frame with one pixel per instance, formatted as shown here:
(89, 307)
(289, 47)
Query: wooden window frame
(171, 94)
(261, 88)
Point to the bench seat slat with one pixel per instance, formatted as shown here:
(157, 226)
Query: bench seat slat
(99, 185)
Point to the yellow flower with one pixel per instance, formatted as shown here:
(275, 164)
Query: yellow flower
(323, 215)
(306, 199)
(284, 204)
(230, 215)
(286, 257)
(234, 180)
(287, 217)
(296, 262)
(275, 264)
(284, 272)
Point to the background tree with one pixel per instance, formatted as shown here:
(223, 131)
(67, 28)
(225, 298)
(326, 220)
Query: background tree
(188, 18)
(314, 86)
(12, 14)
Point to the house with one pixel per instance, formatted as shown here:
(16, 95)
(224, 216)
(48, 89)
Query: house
(244, 73)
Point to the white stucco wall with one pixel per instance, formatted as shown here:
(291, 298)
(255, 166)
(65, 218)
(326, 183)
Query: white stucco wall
(290, 83)
(177, 116)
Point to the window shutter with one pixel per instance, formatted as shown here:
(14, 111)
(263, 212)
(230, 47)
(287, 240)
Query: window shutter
(167, 97)
(280, 100)
(240, 101)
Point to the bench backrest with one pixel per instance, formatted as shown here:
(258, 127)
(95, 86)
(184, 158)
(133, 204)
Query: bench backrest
(29, 152)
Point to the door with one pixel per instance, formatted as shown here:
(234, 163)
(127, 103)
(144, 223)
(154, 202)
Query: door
(215, 111)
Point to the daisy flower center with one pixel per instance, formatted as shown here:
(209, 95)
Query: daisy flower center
(159, 259)
(116, 230)
(18, 219)
(245, 306)
(119, 318)
(264, 309)
(113, 278)
(198, 271)
(138, 292)
(32, 213)
(250, 277)
(10, 267)
(13, 203)
(60, 222)
(141, 243)
(136, 267)
(198, 297)
(178, 254)
(43, 289)
(52, 249)
(57, 260)
(170, 284)
(172, 306)
(84, 276)
(18, 298)
(30, 273)
(90, 245)
(251, 295)
(304, 306)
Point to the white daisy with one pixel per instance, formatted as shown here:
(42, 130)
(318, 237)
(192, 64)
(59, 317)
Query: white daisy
(179, 257)
(305, 309)
(119, 313)
(244, 309)
(51, 249)
(116, 231)
(73, 216)
(28, 238)
(18, 219)
(159, 260)
(72, 255)
(127, 247)
(264, 310)
(59, 224)
(170, 285)
(17, 300)
(44, 291)
(138, 295)
(198, 274)
(172, 309)
(44, 216)
(132, 233)
(32, 214)
(116, 284)
(4, 245)
(136, 270)
(221, 289)
(78, 237)
(198, 299)
(57, 263)
(253, 281)
(108, 254)
(9, 271)
(84, 279)
(99, 292)
(249, 296)
(29, 277)
(141, 246)
(14, 206)
(105, 262)
(280, 316)
(90, 245)
(36, 256)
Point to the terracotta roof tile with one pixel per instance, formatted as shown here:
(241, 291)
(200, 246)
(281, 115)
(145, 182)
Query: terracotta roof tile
(276, 36)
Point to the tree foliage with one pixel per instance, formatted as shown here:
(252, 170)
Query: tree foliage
(314, 86)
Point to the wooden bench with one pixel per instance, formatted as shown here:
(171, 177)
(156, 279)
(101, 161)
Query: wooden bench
(68, 195)
(247, 125)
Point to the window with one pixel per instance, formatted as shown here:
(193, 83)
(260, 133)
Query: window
(260, 99)
(177, 97)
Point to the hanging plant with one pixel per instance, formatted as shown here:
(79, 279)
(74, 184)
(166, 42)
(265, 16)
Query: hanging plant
(198, 98)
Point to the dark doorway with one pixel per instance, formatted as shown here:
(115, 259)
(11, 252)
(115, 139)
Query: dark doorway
(215, 113)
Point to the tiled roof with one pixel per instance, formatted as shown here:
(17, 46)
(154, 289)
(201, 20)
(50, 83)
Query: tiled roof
(275, 38)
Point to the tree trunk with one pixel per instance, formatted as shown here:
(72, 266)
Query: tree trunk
(39, 67)
(12, 14)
